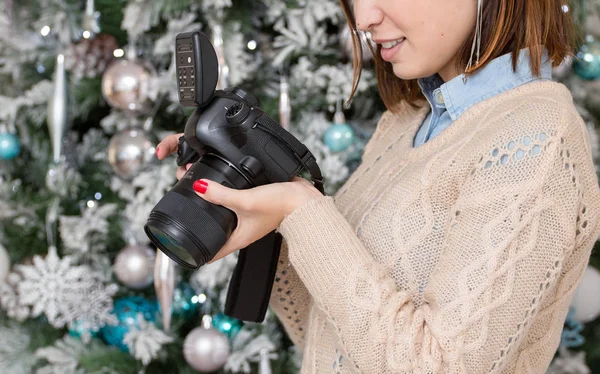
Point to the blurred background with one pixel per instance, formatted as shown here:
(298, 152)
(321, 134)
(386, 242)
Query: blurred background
(88, 88)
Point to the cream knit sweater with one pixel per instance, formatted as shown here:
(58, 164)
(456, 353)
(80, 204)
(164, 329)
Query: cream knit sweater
(496, 216)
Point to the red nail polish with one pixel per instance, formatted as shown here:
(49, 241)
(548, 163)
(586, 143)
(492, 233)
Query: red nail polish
(200, 186)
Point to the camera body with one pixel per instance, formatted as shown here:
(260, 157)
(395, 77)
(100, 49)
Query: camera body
(231, 141)
(233, 127)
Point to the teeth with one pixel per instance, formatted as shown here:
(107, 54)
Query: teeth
(391, 44)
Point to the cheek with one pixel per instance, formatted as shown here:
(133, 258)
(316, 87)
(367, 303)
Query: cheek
(441, 39)
(446, 25)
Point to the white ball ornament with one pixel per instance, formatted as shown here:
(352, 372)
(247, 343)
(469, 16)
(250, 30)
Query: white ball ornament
(206, 349)
(126, 85)
(134, 266)
(129, 152)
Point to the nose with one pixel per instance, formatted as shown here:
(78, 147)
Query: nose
(367, 14)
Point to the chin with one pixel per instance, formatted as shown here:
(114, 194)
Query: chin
(408, 71)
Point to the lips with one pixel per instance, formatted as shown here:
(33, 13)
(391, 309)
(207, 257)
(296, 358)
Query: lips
(391, 44)
(390, 49)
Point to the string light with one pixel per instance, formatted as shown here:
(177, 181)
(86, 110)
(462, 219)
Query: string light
(118, 53)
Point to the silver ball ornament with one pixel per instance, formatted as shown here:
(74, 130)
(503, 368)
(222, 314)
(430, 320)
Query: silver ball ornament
(134, 266)
(126, 85)
(129, 151)
(206, 349)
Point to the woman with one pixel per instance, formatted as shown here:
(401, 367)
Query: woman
(457, 245)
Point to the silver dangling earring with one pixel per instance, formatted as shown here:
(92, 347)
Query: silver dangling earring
(476, 39)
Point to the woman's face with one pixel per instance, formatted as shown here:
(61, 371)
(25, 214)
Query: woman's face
(430, 33)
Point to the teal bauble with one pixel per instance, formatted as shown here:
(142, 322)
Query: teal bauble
(587, 63)
(227, 325)
(339, 137)
(10, 146)
(127, 310)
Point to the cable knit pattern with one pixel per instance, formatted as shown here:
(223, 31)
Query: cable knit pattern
(496, 217)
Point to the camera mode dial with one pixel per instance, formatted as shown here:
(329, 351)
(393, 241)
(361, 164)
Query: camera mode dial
(237, 113)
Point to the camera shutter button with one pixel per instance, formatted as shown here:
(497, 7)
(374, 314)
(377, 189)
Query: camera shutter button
(245, 95)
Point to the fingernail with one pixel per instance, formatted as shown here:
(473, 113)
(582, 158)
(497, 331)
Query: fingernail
(200, 186)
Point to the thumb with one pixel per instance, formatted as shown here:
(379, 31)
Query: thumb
(216, 193)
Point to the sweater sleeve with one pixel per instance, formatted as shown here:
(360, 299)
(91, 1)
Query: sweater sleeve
(290, 299)
(498, 280)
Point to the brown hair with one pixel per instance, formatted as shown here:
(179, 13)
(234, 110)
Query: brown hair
(508, 26)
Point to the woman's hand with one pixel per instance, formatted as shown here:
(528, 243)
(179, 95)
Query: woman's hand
(167, 146)
(259, 210)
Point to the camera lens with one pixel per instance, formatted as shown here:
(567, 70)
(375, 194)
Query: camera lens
(172, 246)
(186, 227)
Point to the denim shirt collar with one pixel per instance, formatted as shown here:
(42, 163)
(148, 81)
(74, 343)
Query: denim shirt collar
(456, 96)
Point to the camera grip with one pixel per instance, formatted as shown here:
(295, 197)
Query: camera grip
(185, 153)
(252, 280)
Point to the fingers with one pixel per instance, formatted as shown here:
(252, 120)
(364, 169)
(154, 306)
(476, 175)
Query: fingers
(228, 248)
(167, 146)
(180, 172)
(301, 180)
(218, 194)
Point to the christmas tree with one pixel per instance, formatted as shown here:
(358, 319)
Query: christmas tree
(88, 90)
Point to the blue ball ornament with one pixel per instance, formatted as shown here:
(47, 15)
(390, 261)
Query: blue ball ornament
(126, 310)
(10, 146)
(339, 137)
(587, 63)
(227, 325)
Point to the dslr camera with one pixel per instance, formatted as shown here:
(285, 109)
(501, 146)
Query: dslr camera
(231, 141)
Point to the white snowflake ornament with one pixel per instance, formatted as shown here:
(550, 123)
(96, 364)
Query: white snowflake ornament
(66, 294)
(93, 310)
(51, 286)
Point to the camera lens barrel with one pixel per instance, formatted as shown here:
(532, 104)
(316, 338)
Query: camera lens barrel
(186, 227)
